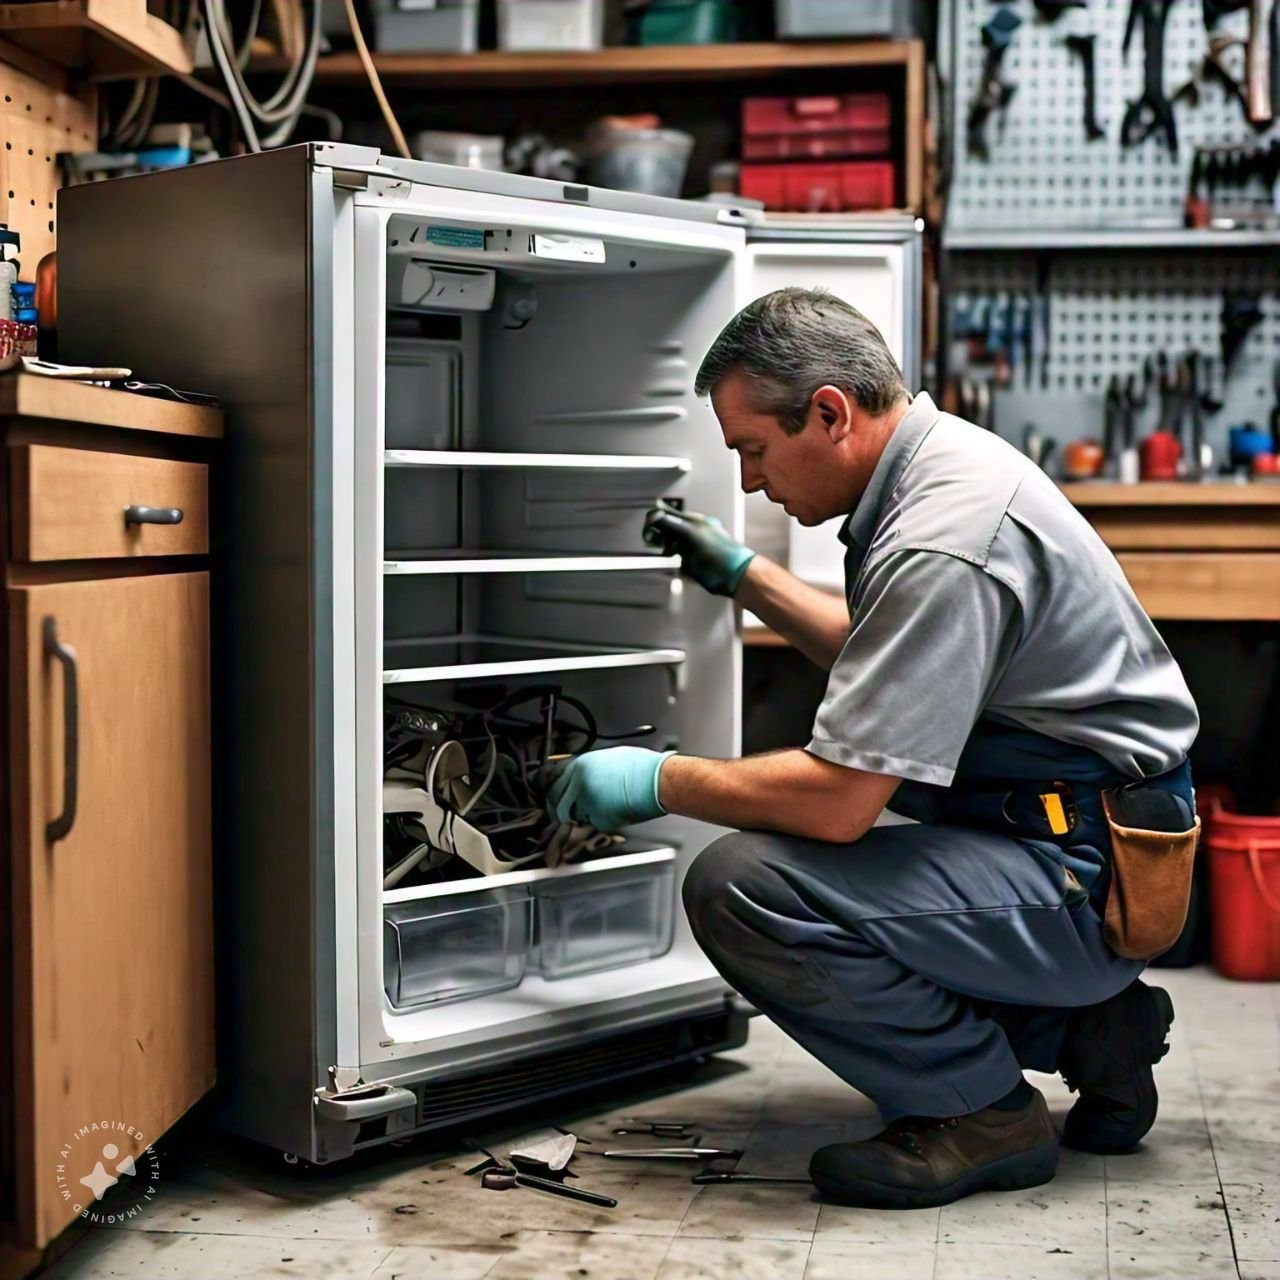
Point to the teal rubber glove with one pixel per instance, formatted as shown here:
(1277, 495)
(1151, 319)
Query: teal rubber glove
(707, 553)
(609, 789)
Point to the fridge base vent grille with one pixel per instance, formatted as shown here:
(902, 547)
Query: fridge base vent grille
(594, 1064)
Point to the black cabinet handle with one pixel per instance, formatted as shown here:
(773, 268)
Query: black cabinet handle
(152, 515)
(54, 648)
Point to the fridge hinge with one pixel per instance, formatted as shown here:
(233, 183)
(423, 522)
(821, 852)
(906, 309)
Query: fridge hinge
(343, 1078)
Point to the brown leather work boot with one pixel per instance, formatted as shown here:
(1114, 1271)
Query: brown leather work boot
(920, 1162)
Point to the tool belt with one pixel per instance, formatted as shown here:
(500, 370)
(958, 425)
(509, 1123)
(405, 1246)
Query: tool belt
(1152, 850)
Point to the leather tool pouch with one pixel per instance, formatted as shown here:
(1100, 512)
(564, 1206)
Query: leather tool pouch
(1151, 871)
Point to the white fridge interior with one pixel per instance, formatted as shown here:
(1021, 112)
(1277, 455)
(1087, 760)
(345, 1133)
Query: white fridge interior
(522, 396)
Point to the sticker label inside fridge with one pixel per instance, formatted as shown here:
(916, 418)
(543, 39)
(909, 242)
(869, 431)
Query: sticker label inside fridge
(456, 237)
(567, 248)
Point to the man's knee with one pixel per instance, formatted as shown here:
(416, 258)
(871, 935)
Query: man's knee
(724, 865)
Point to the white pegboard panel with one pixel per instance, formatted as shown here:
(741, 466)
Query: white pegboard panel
(1042, 173)
(1110, 312)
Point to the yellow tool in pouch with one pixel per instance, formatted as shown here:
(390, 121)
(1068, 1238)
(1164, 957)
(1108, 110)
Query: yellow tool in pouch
(1150, 883)
(1055, 813)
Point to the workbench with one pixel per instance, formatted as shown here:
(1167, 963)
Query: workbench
(1192, 552)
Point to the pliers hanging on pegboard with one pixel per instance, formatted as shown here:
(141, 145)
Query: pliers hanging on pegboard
(1152, 112)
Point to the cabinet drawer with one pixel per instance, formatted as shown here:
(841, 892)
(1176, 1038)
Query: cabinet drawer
(76, 504)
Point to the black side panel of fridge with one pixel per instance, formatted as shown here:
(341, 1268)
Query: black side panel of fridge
(204, 278)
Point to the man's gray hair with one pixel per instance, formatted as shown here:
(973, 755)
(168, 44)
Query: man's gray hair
(793, 341)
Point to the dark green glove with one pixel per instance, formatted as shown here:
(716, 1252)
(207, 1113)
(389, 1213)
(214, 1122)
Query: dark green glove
(707, 553)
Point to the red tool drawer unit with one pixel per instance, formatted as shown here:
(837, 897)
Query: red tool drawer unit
(816, 128)
(820, 188)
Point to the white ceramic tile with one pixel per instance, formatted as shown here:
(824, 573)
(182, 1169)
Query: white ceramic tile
(841, 1224)
(743, 1211)
(539, 1255)
(1244, 1160)
(1255, 1220)
(1259, 1270)
(697, 1258)
(168, 1255)
(1134, 1263)
(1167, 1219)
(849, 1260)
(1021, 1262)
(1177, 1150)
(1064, 1214)
(407, 1261)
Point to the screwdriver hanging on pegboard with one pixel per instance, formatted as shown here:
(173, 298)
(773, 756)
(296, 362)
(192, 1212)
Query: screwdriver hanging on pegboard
(993, 94)
(1085, 48)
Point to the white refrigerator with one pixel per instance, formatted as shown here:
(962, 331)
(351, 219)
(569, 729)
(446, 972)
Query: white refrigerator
(451, 398)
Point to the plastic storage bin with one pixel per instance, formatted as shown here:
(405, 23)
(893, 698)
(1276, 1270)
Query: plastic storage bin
(652, 161)
(407, 26)
(455, 947)
(550, 24)
(688, 22)
(820, 188)
(816, 19)
(604, 919)
(467, 150)
(816, 128)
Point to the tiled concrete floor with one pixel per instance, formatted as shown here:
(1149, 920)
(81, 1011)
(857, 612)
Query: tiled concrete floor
(1200, 1200)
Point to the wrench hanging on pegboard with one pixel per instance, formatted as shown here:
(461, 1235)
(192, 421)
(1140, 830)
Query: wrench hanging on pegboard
(1042, 168)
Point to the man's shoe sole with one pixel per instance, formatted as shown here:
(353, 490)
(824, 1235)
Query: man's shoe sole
(1148, 1048)
(1013, 1173)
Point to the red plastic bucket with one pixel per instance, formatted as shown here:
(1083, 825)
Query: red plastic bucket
(1244, 894)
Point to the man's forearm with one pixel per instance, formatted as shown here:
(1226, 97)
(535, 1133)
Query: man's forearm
(789, 791)
(816, 622)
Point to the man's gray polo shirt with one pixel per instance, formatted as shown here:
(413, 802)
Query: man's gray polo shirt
(975, 588)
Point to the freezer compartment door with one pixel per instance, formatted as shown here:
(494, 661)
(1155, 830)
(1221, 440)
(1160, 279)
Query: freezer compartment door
(879, 276)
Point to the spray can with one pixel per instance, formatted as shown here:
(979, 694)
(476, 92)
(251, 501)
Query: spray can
(8, 269)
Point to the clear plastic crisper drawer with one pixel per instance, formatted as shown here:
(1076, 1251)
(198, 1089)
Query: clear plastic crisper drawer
(454, 948)
(603, 921)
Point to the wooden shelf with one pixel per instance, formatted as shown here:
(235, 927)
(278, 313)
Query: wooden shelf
(1173, 494)
(623, 64)
(103, 39)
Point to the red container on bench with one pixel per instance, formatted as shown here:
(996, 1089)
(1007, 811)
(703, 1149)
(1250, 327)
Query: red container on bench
(819, 188)
(1244, 894)
(817, 128)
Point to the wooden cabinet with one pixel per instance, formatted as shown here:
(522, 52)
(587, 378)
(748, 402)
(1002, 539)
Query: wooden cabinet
(107, 876)
(1193, 552)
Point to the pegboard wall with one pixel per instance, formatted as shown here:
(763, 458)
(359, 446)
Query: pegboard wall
(1111, 311)
(1042, 172)
(38, 119)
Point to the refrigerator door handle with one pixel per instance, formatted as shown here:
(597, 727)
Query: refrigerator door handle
(363, 1104)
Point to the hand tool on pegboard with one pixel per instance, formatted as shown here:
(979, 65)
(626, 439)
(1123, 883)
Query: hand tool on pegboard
(1241, 314)
(1085, 48)
(993, 94)
(1052, 10)
(1152, 112)
(1256, 92)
